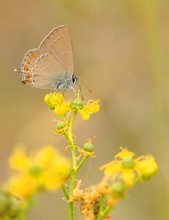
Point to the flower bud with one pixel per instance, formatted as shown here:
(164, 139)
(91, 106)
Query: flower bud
(61, 124)
(118, 187)
(89, 147)
(128, 162)
(77, 104)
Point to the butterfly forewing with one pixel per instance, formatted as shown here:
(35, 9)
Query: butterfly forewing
(58, 42)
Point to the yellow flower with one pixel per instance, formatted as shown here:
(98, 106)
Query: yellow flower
(19, 161)
(91, 108)
(56, 102)
(62, 108)
(146, 166)
(46, 170)
(46, 156)
(53, 99)
(129, 170)
(115, 171)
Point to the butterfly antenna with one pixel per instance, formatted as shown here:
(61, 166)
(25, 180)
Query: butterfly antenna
(85, 86)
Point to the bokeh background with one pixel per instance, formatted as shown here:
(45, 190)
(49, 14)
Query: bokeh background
(121, 51)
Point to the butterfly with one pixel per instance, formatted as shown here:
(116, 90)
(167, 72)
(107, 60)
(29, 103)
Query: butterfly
(50, 66)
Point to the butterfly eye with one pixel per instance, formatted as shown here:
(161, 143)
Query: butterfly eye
(74, 79)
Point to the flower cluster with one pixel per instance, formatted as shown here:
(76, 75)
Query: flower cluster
(46, 170)
(119, 175)
(56, 102)
(129, 169)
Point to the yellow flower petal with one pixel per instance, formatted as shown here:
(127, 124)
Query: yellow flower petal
(128, 176)
(91, 108)
(112, 168)
(46, 156)
(85, 113)
(146, 166)
(19, 160)
(124, 153)
(22, 186)
(53, 99)
(62, 108)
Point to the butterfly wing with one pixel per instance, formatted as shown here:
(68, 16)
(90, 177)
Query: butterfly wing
(59, 44)
(51, 64)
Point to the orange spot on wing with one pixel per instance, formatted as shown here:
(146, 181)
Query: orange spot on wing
(27, 62)
(32, 55)
(25, 81)
(26, 68)
(28, 76)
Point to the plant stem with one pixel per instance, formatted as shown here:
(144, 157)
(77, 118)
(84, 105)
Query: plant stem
(75, 167)
(65, 191)
(81, 163)
(103, 213)
(70, 140)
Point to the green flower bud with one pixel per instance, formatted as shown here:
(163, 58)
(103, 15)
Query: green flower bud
(77, 104)
(128, 162)
(118, 187)
(89, 147)
(61, 124)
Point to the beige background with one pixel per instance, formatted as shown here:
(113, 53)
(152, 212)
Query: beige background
(120, 57)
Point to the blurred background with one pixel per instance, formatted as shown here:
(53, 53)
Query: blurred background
(121, 51)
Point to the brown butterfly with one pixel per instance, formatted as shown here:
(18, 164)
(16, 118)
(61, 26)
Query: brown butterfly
(50, 66)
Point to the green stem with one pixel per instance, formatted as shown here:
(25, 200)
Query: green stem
(71, 142)
(102, 203)
(81, 163)
(70, 210)
(69, 137)
(65, 191)
(104, 209)
(75, 167)
(103, 213)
